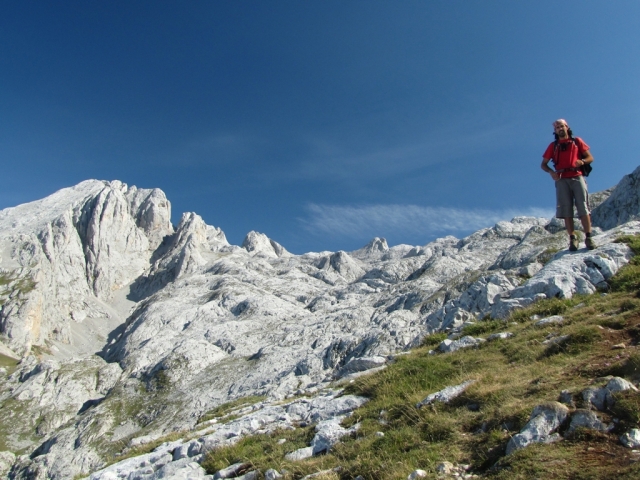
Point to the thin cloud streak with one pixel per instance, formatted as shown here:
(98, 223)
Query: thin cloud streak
(409, 220)
(332, 160)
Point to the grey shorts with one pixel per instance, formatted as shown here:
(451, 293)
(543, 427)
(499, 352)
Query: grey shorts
(570, 191)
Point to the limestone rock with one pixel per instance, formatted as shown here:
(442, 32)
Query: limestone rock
(544, 420)
(184, 322)
(7, 459)
(552, 320)
(272, 474)
(499, 336)
(417, 474)
(631, 439)
(361, 364)
(232, 471)
(622, 206)
(328, 433)
(446, 394)
(602, 398)
(72, 250)
(300, 454)
(448, 346)
(445, 468)
(259, 243)
(587, 419)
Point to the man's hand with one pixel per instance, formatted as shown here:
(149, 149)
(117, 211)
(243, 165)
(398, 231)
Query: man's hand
(544, 165)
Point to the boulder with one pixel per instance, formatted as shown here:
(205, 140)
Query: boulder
(7, 459)
(631, 439)
(588, 419)
(448, 346)
(446, 394)
(544, 420)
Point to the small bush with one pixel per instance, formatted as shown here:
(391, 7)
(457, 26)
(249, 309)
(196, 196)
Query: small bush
(629, 368)
(518, 353)
(613, 323)
(627, 407)
(544, 308)
(575, 343)
(433, 339)
(546, 256)
(628, 305)
(633, 241)
(482, 327)
(226, 408)
(437, 429)
(628, 277)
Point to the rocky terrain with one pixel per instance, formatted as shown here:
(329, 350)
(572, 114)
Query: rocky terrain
(127, 329)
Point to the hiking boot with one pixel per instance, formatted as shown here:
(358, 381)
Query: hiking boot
(573, 244)
(590, 244)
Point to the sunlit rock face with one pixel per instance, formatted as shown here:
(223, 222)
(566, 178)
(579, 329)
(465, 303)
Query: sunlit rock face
(66, 256)
(152, 326)
(622, 204)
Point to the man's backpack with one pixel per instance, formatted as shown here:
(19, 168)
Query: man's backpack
(585, 169)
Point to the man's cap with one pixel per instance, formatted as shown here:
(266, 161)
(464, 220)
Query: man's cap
(560, 121)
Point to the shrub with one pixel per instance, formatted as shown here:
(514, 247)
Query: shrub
(575, 343)
(613, 323)
(485, 326)
(544, 308)
(627, 408)
(433, 339)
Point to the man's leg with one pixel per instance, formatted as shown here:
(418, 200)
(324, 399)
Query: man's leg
(586, 223)
(568, 223)
(586, 226)
(573, 241)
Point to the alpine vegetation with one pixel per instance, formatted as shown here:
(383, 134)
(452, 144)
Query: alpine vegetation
(132, 348)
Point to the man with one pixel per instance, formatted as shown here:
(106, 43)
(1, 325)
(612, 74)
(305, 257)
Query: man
(569, 155)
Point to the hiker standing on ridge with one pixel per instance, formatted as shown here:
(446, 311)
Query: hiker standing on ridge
(569, 155)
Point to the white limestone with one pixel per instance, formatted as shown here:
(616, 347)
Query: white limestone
(631, 439)
(544, 420)
(188, 321)
(446, 394)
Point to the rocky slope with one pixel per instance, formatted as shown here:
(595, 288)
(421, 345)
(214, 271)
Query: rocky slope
(128, 329)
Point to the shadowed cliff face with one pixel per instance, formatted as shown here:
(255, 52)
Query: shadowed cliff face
(187, 321)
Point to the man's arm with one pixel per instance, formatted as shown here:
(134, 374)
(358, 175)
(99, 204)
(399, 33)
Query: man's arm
(544, 165)
(586, 158)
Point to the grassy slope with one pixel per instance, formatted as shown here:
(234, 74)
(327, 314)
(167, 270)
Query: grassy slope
(513, 376)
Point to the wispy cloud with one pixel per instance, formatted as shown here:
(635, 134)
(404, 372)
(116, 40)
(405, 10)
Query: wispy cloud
(404, 220)
(339, 161)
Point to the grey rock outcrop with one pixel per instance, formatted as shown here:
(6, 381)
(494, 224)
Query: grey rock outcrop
(7, 459)
(328, 433)
(71, 251)
(587, 419)
(184, 322)
(631, 439)
(448, 346)
(545, 419)
(547, 321)
(602, 398)
(622, 205)
(446, 394)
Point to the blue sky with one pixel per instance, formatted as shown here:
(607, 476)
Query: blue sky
(320, 123)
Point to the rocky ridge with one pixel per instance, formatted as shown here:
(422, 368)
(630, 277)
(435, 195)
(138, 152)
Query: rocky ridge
(182, 321)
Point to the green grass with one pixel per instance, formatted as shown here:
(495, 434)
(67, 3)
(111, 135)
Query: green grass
(225, 411)
(483, 327)
(512, 377)
(23, 285)
(8, 363)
